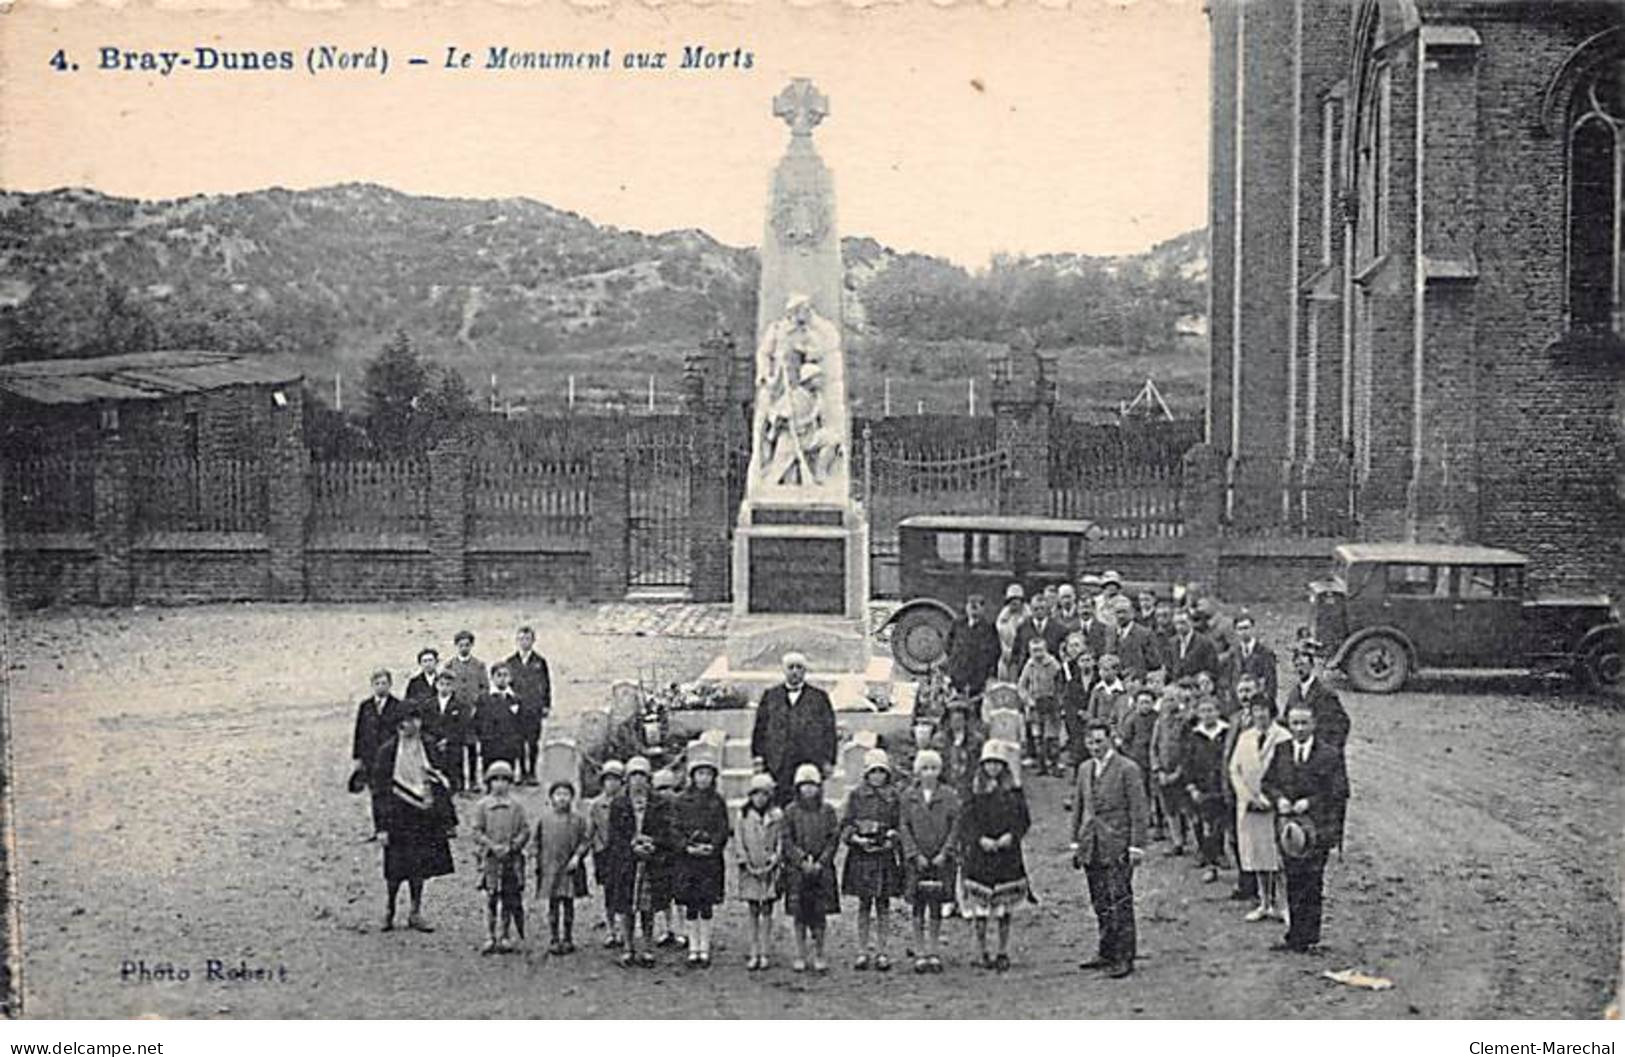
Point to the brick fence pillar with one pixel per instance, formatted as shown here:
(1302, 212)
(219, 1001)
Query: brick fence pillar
(1201, 502)
(1023, 409)
(287, 495)
(448, 516)
(707, 391)
(610, 510)
(114, 523)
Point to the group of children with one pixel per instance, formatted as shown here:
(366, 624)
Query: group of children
(654, 845)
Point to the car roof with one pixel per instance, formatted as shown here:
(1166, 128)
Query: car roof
(997, 523)
(1429, 553)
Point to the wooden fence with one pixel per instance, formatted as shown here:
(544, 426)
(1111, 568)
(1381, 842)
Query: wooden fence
(49, 493)
(187, 494)
(353, 496)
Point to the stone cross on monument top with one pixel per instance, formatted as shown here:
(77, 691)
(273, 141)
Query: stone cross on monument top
(801, 106)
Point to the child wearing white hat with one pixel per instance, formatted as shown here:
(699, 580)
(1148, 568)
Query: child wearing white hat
(761, 834)
(611, 777)
(500, 833)
(929, 843)
(700, 831)
(812, 835)
(871, 875)
(992, 828)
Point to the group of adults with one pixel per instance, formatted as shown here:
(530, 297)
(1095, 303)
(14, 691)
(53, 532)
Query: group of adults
(1260, 773)
(413, 752)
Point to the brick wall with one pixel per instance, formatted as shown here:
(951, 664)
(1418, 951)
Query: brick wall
(1268, 289)
(227, 570)
(530, 574)
(54, 576)
(1548, 454)
(353, 575)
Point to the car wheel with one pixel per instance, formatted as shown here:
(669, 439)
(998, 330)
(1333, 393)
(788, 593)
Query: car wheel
(1378, 665)
(919, 637)
(1600, 666)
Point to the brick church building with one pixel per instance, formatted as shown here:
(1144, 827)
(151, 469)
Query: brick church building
(1418, 280)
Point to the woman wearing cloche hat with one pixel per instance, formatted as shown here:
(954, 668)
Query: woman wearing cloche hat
(871, 874)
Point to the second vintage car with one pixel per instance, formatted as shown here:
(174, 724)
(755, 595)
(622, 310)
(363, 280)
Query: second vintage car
(1389, 609)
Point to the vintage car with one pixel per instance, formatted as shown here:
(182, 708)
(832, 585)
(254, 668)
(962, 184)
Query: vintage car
(1392, 608)
(942, 558)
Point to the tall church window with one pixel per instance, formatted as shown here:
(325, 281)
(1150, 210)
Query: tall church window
(1596, 260)
(1372, 178)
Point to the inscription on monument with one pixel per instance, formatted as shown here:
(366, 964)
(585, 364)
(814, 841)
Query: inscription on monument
(790, 575)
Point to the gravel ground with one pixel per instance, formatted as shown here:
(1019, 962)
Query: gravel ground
(180, 798)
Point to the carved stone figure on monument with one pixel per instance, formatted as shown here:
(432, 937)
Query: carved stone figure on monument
(797, 445)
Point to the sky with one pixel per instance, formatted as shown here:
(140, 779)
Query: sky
(961, 131)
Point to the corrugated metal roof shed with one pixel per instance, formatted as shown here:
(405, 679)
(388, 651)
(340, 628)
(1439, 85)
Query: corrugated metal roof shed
(139, 376)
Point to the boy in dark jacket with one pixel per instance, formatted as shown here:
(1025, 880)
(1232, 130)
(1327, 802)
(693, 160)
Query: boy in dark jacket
(1205, 778)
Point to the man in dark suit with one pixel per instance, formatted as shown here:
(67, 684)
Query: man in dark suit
(1253, 658)
(375, 720)
(1220, 630)
(1331, 718)
(1306, 779)
(533, 684)
(795, 724)
(1189, 651)
(1040, 624)
(420, 688)
(1098, 634)
(973, 649)
(473, 682)
(500, 719)
(447, 719)
(1108, 841)
(1136, 647)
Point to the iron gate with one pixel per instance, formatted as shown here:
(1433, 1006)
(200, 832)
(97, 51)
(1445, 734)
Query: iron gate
(659, 460)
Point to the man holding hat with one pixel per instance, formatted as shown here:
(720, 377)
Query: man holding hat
(1309, 789)
(795, 725)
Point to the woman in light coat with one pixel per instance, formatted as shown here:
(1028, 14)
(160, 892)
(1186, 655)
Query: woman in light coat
(1255, 817)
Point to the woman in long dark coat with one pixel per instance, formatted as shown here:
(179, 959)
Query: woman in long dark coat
(639, 828)
(412, 802)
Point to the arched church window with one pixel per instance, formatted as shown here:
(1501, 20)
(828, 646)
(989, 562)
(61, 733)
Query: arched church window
(1596, 259)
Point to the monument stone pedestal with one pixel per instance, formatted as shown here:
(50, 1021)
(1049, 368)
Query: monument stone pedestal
(801, 544)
